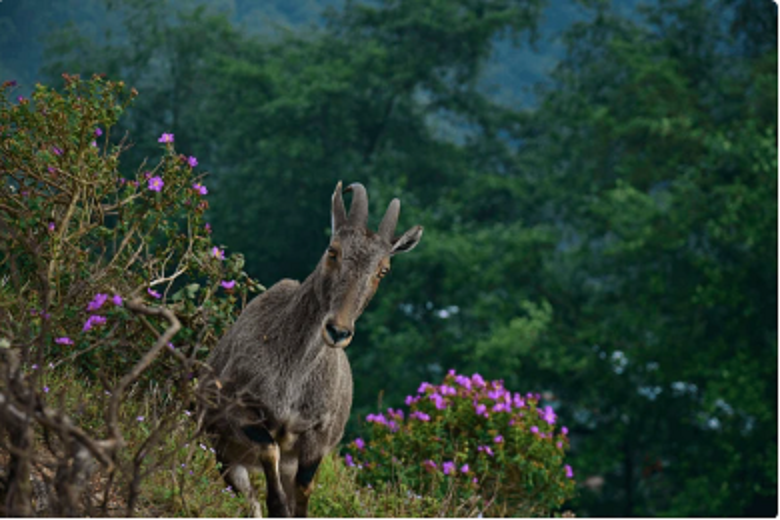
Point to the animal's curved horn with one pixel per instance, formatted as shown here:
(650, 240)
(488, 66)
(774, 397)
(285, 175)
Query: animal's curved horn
(358, 211)
(338, 215)
(390, 220)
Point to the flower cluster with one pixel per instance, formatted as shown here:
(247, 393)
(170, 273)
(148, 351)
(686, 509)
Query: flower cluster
(473, 433)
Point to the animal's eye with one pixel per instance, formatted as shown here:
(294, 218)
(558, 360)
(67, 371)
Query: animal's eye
(332, 252)
(383, 272)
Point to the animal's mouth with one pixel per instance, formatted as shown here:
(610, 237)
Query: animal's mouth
(335, 336)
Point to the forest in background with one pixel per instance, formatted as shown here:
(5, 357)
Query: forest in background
(610, 242)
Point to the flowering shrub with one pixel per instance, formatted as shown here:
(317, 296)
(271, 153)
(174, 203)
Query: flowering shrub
(110, 272)
(79, 239)
(473, 441)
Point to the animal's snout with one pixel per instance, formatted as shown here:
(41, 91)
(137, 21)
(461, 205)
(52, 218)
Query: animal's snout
(338, 336)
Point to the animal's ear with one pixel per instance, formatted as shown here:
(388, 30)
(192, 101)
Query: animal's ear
(407, 241)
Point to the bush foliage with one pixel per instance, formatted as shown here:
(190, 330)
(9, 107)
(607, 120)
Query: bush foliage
(472, 442)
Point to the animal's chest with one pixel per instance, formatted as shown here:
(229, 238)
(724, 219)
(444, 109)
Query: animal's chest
(299, 398)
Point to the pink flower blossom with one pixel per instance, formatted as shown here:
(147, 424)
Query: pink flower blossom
(156, 184)
(117, 300)
(217, 253)
(569, 471)
(448, 467)
(63, 341)
(93, 321)
(165, 138)
(198, 187)
(227, 285)
(360, 443)
(193, 162)
(464, 468)
(97, 302)
(153, 293)
(51, 226)
(420, 416)
(548, 415)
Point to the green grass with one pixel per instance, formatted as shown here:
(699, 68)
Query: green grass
(183, 478)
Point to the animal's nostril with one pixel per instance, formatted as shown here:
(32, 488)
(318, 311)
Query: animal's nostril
(337, 334)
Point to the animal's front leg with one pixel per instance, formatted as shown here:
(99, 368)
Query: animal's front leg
(304, 486)
(276, 499)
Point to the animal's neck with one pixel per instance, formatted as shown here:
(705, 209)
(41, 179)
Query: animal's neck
(305, 316)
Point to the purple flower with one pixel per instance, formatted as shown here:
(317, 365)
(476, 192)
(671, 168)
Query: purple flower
(46, 389)
(93, 144)
(486, 449)
(439, 401)
(564, 430)
(447, 390)
(98, 132)
(34, 367)
(429, 465)
(165, 138)
(411, 400)
(377, 418)
(117, 300)
(421, 416)
(451, 372)
(559, 444)
(477, 380)
(518, 401)
(140, 418)
(207, 227)
(217, 253)
(193, 162)
(97, 302)
(464, 468)
(481, 409)
(20, 99)
(548, 415)
(51, 226)
(156, 184)
(423, 387)
(500, 407)
(348, 460)
(198, 187)
(496, 394)
(569, 471)
(463, 381)
(228, 285)
(534, 429)
(396, 414)
(153, 293)
(92, 321)
(498, 439)
(448, 467)
(360, 443)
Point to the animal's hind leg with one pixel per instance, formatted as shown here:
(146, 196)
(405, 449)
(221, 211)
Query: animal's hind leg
(237, 477)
